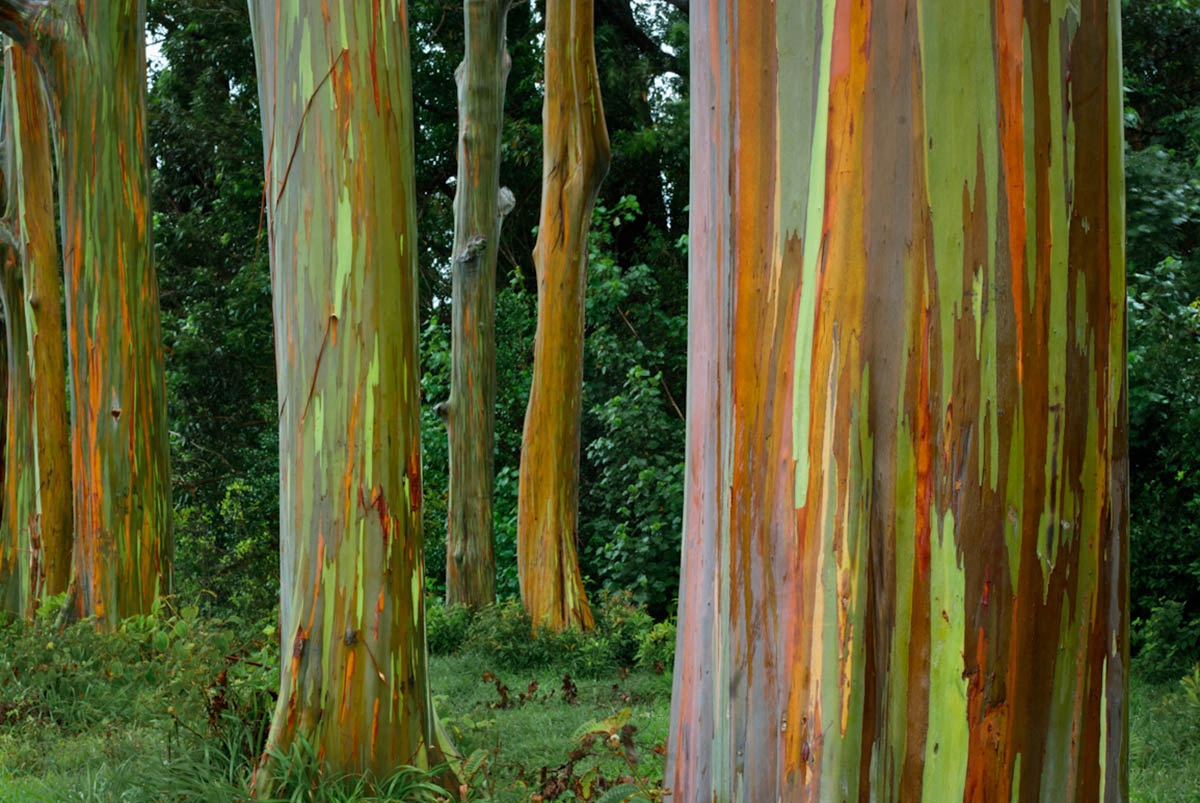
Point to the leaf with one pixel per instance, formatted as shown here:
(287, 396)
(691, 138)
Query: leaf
(620, 794)
(608, 725)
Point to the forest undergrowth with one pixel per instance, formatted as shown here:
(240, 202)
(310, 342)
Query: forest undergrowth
(175, 707)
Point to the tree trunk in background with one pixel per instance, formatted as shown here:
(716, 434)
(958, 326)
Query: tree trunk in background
(470, 412)
(575, 157)
(93, 58)
(338, 138)
(18, 566)
(21, 574)
(37, 501)
(906, 568)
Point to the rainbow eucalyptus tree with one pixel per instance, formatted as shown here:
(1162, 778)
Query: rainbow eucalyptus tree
(93, 61)
(906, 572)
(37, 489)
(575, 156)
(44, 505)
(334, 90)
(479, 209)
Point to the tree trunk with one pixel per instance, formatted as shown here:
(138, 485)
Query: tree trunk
(906, 569)
(575, 157)
(21, 564)
(18, 567)
(37, 501)
(92, 56)
(470, 412)
(338, 139)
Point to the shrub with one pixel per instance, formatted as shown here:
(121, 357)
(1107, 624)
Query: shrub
(446, 626)
(657, 648)
(622, 623)
(1167, 641)
(503, 634)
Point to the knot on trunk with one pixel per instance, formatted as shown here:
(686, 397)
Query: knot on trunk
(472, 250)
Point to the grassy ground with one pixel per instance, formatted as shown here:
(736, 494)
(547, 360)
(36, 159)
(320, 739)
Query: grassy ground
(522, 749)
(1164, 742)
(133, 716)
(129, 717)
(532, 727)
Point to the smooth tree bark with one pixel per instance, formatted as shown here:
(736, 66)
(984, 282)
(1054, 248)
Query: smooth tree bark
(21, 576)
(37, 491)
(335, 95)
(479, 209)
(905, 571)
(93, 61)
(18, 564)
(575, 157)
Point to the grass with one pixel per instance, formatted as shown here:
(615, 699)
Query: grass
(527, 726)
(1164, 741)
(128, 716)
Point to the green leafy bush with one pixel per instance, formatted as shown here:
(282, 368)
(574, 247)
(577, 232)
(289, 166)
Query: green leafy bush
(657, 649)
(503, 636)
(1167, 641)
(446, 626)
(503, 633)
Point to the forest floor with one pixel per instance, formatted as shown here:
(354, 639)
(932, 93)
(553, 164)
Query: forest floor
(130, 717)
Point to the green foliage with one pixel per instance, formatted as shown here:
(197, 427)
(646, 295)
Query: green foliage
(632, 494)
(206, 144)
(657, 649)
(502, 635)
(1162, 62)
(446, 627)
(1166, 641)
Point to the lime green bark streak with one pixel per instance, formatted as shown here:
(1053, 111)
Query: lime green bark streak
(945, 759)
(794, 20)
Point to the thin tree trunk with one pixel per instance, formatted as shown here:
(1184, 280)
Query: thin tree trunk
(38, 493)
(22, 566)
(906, 564)
(334, 90)
(470, 412)
(575, 159)
(92, 56)
(18, 567)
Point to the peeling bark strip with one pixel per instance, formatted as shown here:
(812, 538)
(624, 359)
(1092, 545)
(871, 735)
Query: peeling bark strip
(37, 497)
(470, 412)
(334, 90)
(92, 56)
(574, 160)
(907, 553)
